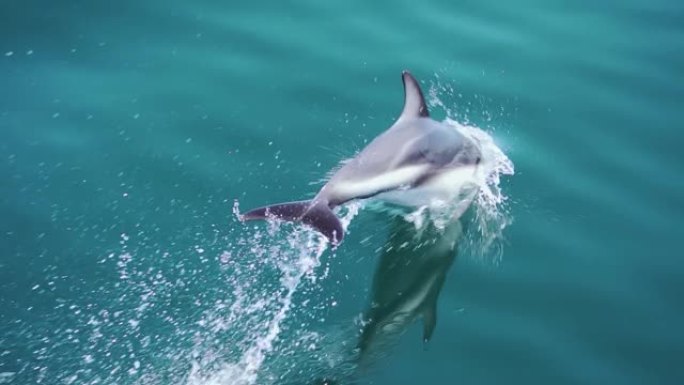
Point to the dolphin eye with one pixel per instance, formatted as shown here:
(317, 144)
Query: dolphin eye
(478, 160)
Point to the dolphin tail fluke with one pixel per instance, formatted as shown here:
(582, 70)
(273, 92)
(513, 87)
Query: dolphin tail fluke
(315, 214)
(290, 211)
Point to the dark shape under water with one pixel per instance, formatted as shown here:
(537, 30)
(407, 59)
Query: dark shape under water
(407, 283)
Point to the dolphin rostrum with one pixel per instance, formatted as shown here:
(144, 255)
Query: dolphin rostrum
(416, 162)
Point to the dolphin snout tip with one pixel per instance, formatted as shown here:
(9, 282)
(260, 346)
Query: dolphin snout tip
(334, 242)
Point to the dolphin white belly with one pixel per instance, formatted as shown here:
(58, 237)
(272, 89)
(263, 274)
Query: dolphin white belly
(442, 189)
(392, 180)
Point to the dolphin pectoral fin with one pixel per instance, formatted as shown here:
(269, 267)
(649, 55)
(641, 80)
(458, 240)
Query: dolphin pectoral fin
(414, 102)
(315, 214)
(429, 321)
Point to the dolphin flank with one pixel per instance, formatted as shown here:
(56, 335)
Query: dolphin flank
(416, 162)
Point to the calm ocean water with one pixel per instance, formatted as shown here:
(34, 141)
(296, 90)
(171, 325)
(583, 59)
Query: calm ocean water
(130, 131)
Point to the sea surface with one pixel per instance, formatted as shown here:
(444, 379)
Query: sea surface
(133, 133)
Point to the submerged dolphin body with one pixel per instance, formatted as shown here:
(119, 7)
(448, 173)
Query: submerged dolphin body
(407, 282)
(416, 162)
(409, 276)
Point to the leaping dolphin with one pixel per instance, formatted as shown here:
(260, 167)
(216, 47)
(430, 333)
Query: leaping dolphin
(416, 162)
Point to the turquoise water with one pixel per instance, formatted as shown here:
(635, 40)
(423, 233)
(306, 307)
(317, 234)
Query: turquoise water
(131, 129)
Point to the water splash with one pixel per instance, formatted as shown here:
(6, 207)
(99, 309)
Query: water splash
(295, 259)
(485, 198)
(491, 214)
(200, 310)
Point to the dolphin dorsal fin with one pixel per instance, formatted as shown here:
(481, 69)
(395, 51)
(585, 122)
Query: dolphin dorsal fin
(414, 102)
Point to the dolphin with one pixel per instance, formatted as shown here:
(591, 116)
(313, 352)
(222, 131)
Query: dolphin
(406, 284)
(416, 162)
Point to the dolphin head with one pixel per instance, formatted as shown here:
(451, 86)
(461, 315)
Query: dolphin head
(470, 154)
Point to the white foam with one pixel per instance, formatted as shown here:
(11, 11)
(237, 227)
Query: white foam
(491, 215)
(296, 258)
